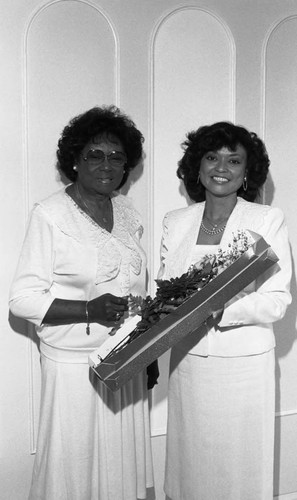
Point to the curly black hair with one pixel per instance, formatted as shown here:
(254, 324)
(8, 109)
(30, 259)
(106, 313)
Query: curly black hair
(96, 121)
(213, 138)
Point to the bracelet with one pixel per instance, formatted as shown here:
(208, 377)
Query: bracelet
(87, 320)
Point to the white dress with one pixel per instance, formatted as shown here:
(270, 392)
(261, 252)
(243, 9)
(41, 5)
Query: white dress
(220, 423)
(92, 443)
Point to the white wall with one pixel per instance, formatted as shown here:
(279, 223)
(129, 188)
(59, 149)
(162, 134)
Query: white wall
(172, 65)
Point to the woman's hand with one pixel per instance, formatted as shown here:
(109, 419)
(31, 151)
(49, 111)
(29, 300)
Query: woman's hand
(214, 319)
(217, 315)
(107, 308)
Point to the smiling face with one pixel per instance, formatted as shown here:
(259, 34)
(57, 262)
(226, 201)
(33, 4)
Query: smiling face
(222, 171)
(100, 177)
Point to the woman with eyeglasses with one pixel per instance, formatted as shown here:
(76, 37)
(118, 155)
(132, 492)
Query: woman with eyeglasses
(80, 260)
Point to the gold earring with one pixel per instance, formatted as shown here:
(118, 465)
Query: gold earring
(74, 167)
(244, 184)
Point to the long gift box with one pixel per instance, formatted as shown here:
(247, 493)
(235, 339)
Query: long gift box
(120, 366)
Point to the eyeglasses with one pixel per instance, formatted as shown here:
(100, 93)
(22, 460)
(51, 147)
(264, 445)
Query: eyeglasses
(96, 157)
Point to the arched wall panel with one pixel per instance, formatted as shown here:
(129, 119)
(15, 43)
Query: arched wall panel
(280, 111)
(192, 85)
(280, 135)
(71, 65)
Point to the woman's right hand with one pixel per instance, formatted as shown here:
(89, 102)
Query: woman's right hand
(217, 315)
(107, 308)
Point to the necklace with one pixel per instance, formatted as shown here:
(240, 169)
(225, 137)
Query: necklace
(90, 212)
(215, 230)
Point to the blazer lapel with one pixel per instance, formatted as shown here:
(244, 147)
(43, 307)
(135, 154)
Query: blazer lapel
(186, 232)
(234, 223)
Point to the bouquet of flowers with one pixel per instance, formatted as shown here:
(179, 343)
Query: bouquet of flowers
(180, 307)
(170, 294)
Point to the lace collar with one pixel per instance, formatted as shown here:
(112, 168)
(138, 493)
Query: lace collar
(75, 223)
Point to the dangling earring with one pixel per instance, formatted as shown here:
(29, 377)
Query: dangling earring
(244, 184)
(198, 178)
(74, 167)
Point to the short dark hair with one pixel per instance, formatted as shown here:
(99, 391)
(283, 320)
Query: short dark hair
(214, 137)
(96, 121)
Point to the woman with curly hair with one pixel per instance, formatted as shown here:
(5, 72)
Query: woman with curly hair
(221, 403)
(80, 260)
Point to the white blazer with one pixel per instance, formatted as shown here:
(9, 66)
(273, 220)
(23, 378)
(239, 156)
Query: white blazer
(246, 325)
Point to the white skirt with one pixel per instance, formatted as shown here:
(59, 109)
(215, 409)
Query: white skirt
(220, 437)
(92, 443)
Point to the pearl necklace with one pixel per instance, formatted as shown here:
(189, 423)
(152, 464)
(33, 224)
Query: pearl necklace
(214, 231)
(90, 212)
